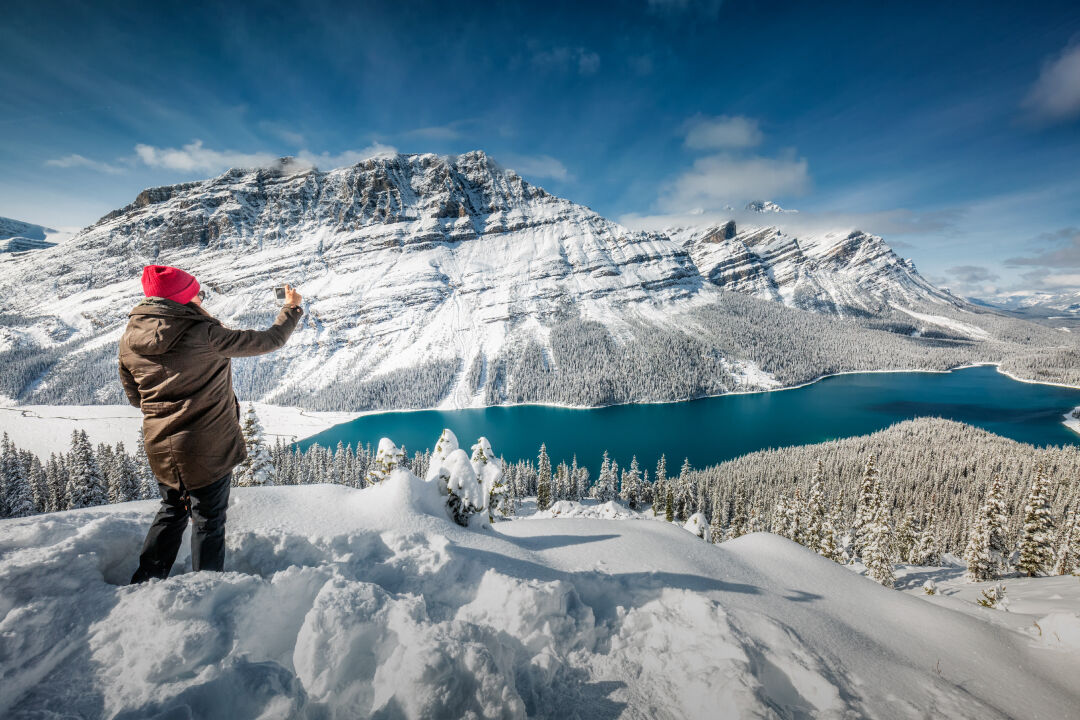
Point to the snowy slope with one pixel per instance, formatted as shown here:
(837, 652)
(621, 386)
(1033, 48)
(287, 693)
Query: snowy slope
(45, 429)
(343, 603)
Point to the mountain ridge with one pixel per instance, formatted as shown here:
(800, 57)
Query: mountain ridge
(452, 282)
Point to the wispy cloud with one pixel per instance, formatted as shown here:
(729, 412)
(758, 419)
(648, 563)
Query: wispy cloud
(718, 180)
(536, 166)
(195, 157)
(78, 161)
(579, 59)
(1055, 97)
(723, 132)
(1066, 254)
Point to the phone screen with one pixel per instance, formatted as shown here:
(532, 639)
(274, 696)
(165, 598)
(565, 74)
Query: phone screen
(279, 292)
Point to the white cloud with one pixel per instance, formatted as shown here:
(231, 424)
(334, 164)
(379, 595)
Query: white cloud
(194, 157)
(326, 161)
(715, 133)
(75, 160)
(1056, 94)
(718, 180)
(536, 166)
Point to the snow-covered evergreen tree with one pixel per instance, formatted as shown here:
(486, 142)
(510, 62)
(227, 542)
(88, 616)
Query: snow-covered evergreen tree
(865, 507)
(543, 480)
(684, 495)
(86, 486)
(257, 469)
(148, 484)
(877, 547)
(987, 551)
(388, 458)
(16, 497)
(830, 533)
(698, 524)
(604, 489)
(489, 471)
(814, 519)
(631, 485)
(123, 482)
(904, 539)
(660, 486)
(669, 503)
(1036, 549)
(928, 551)
(740, 519)
(1067, 557)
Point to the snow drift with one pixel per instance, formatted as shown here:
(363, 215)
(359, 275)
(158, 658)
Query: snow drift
(343, 603)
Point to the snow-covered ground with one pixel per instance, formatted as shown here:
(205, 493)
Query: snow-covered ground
(342, 603)
(45, 429)
(1072, 420)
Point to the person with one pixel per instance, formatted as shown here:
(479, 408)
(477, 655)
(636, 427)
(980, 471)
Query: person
(175, 366)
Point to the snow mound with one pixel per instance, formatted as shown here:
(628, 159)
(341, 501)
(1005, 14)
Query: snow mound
(343, 603)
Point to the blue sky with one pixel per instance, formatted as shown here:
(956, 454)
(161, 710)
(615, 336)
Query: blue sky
(953, 129)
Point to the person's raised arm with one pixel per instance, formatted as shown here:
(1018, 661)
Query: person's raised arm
(245, 343)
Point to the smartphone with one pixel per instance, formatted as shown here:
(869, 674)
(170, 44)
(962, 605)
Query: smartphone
(279, 292)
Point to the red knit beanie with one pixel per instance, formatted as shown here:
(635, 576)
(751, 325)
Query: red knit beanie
(170, 283)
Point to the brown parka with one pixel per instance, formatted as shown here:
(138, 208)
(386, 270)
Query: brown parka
(174, 364)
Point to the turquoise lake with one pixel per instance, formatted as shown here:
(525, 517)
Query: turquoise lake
(710, 430)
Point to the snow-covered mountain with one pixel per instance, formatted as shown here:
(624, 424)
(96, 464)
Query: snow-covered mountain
(432, 280)
(18, 236)
(1065, 302)
(843, 272)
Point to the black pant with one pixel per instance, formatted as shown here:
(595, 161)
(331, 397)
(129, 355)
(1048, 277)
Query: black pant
(206, 507)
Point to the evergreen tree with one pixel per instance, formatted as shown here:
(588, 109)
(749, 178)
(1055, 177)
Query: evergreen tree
(1036, 552)
(148, 484)
(86, 486)
(865, 507)
(604, 489)
(388, 458)
(575, 484)
(123, 482)
(669, 504)
(716, 524)
(631, 485)
(740, 520)
(543, 480)
(795, 512)
(1067, 559)
(814, 521)
(684, 499)
(928, 552)
(16, 497)
(986, 552)
(38, 486)
(904, 540)
(56, 484)
(660, 486)
(877, 547)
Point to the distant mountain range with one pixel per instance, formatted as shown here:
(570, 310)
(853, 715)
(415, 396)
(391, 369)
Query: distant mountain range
(451, 281)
